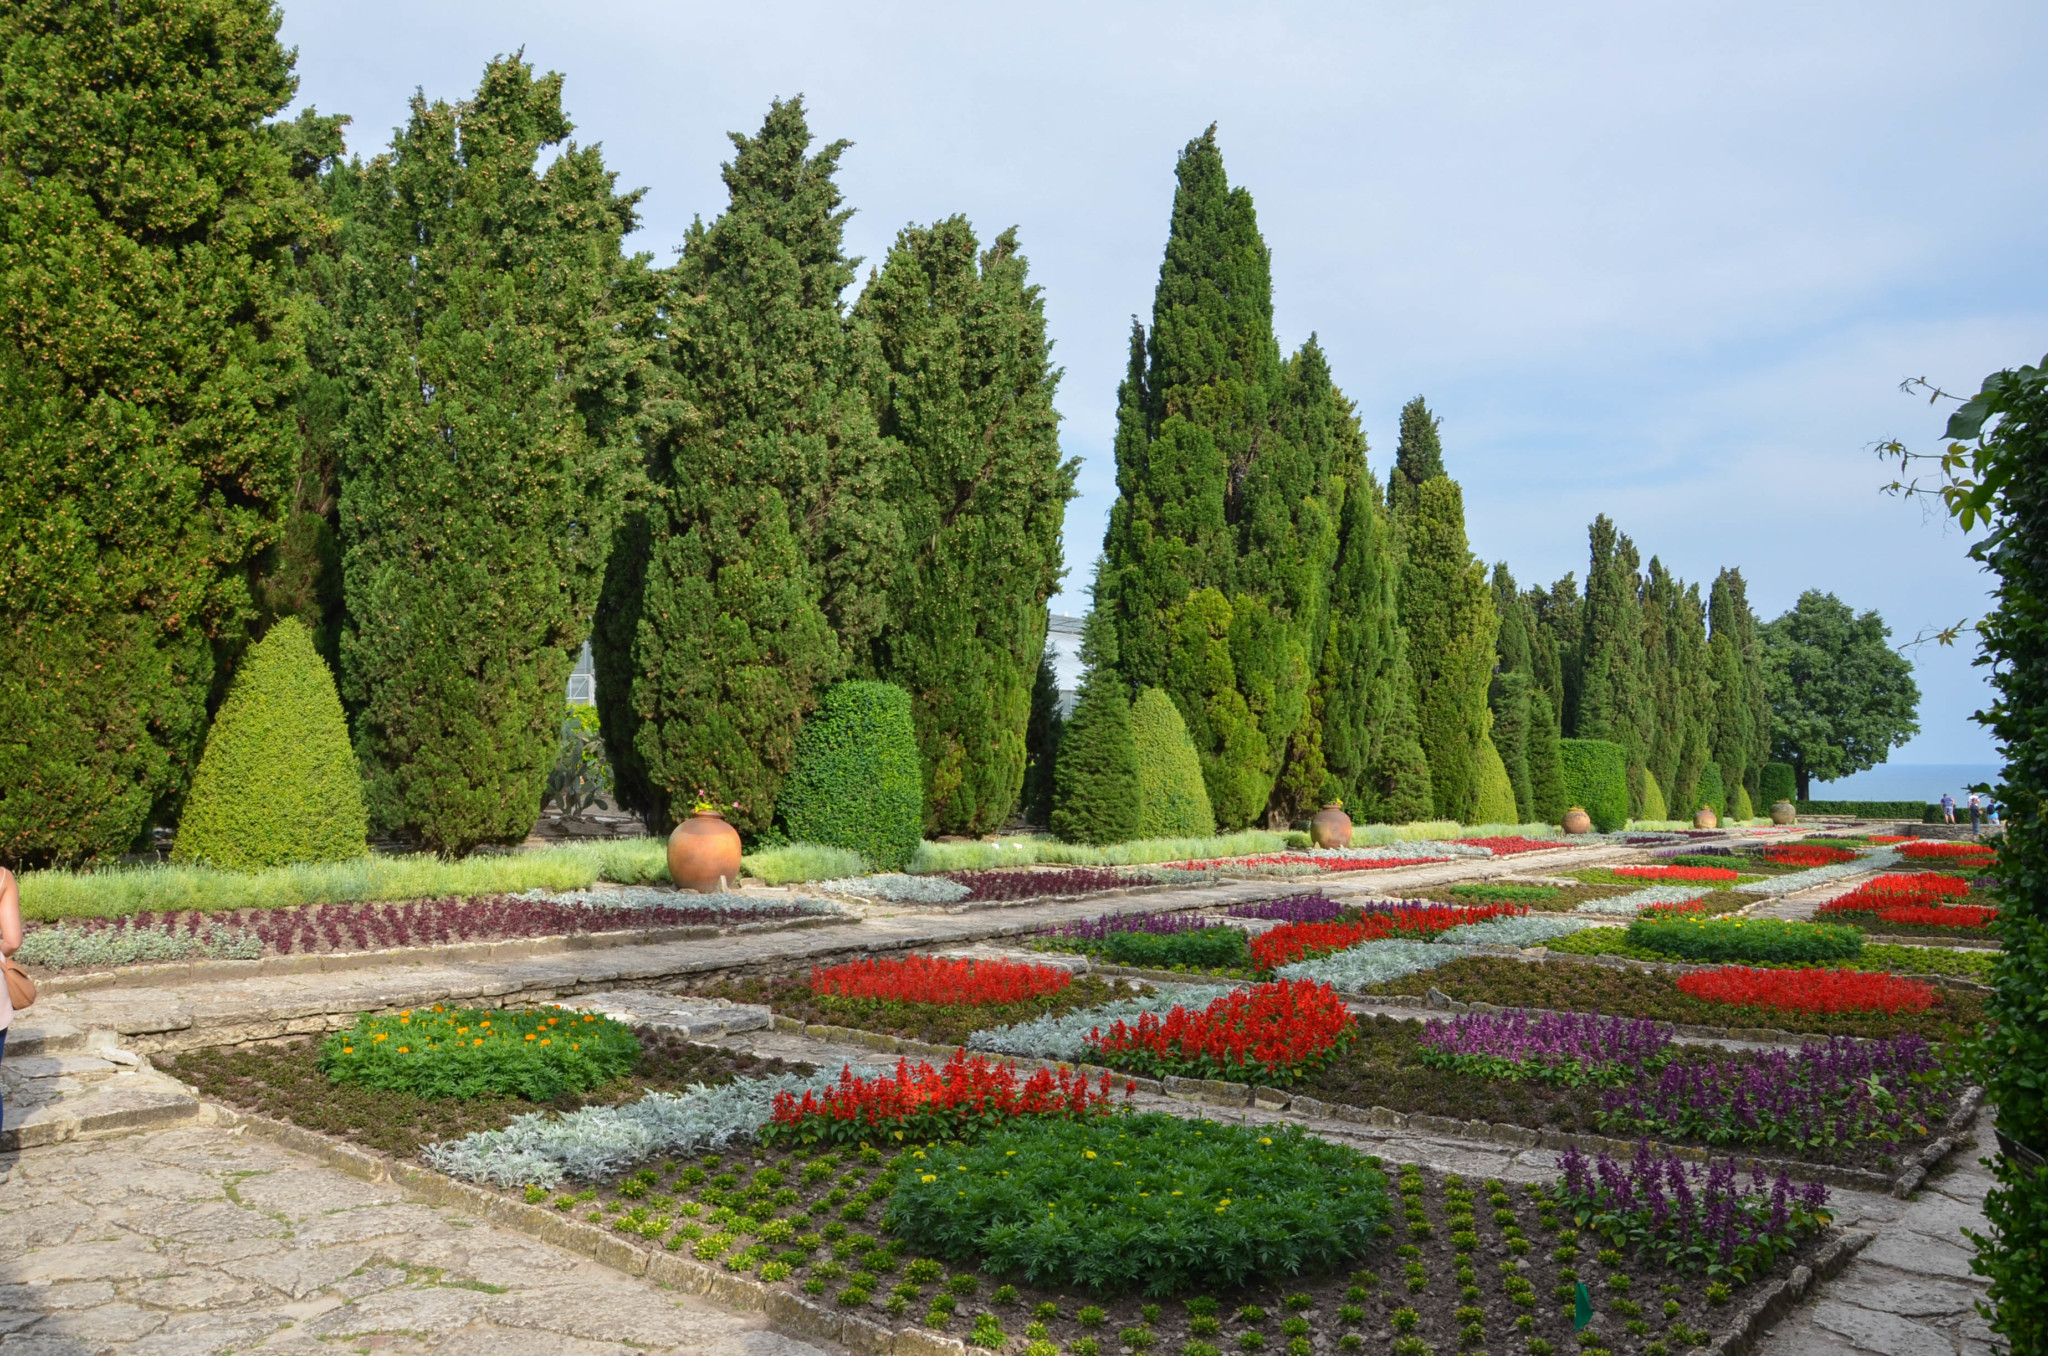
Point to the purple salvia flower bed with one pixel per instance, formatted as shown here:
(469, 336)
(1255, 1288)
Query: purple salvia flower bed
(1820, 1099)
(1292, 909)
(1664, 1209)
(1100, 929)
(1080, 880)
(1561, 1047)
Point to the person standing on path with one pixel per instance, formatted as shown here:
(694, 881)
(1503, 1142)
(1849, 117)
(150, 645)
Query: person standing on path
(10, 942)
(1948, 808)
(1974, 808)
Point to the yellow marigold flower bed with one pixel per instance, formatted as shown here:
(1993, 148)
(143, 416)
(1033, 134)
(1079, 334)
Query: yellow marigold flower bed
(539, 1054)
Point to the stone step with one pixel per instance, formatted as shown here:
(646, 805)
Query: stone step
(89, 1066)
(131, 1102)
(29, 1036)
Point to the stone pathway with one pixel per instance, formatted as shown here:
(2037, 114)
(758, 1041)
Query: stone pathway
(195, 1241)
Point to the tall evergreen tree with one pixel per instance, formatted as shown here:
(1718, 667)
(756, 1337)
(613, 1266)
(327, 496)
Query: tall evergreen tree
(1513, 683)
(1546, 762)
(761, 564)
(1447, 610)
(1042, 741)
(1221, 535)
(1418, 459)
(492, 333)
(982, 493)
(1097, 795)
(1741, 737)
(1615, 702)
(1557, 623)
(1370, 739)
(1681, 686)
(148, 354)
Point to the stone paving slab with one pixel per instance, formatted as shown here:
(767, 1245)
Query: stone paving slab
(194, 1241)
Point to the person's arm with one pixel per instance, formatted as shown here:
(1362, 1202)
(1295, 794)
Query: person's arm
(10, 913)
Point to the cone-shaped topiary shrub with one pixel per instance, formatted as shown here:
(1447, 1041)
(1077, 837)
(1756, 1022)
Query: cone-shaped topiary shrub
(1095, 795)
(1780, 783)
(1496, 800)
(1173, 800)
(855, 781)
(1712, 793)
(278, 782)
(1655, 807)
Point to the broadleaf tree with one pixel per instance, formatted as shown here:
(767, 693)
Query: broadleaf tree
(1841, 697)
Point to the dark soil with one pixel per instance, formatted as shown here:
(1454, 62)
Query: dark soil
(935, 1023)
(285, 1082)
(1568, 986)
(1414, 1277)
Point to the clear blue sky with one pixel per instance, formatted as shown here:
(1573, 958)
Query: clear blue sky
(1669, 263)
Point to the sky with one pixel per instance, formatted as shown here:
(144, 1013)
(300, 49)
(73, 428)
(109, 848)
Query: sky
(1666, 263)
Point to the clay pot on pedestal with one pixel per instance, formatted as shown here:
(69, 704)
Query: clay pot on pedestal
(704, 853)
(1705, 818)
(1576, 820)
(1331, 828)
(1784, 812)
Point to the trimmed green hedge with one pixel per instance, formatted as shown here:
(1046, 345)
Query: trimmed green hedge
(1779, 783)
(1204, 948)
(1866, 809)
(1779, 940)
(1496, 788)
(1173, 799)
(1596, 780)
(856, 781)
(1712, 793)
(278, 782)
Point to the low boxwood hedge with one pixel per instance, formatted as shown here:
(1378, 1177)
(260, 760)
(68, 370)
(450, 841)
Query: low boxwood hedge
(1692, 937)
(1596, 780)
(1150, 1203)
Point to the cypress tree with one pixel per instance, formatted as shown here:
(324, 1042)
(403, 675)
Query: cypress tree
(1546, 762)
(1447, 610)
(1614, 693)
(1741, 735)
(1509, 699)
(151, 350)
(1557, 625)
(1418, 459)
(982, 491)
(1222, 531)
(760, 567)
(1369, 739)
(485, 455)
(1042, 741)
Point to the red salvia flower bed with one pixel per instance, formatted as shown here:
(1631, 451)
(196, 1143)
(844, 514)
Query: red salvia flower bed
(1508, 844)
(1269, 1033)
(1945, 852)
(1296, 941)
(1934, 916)
(1690, 874)
(1668, 910)
(1887, 839)
(1897, 889)
(969, 1093)
(1807, 854)
(928, 979)
(1815, 991)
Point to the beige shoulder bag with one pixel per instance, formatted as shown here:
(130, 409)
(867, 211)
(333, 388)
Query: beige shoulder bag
(21, 990)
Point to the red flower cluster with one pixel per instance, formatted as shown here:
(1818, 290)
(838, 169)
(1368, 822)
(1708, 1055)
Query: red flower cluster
(1295, 941)
(1911, 901)
(1693, 874)
(1304, 859)
(1817, 991)
(1269, 1032)
(1669, 910)
(927, 979)
(1886, 839)
(1507, 845)
(1807, 854)
(1945, 852)
(919, 1102)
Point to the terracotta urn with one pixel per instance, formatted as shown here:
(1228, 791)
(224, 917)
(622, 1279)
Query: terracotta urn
(1784, 812)
(1576, 820)
(1705, 818)
(1331, 828)
(704, 853)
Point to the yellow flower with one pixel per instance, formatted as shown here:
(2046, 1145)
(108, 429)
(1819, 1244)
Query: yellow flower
(929, 1177)
(348, 1049)
(547, 1042)
(1088, 1153)
(530, 1036)
(405, 1049)
(477, 1041)
(378, 1037)
(1265, 1139)
(1011, 1154)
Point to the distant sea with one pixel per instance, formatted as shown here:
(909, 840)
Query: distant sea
(1909, 781)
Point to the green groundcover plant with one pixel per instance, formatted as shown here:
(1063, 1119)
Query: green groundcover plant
(1691, 937)
(1199, 948)
(1145, 1202)
(539, 1054)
